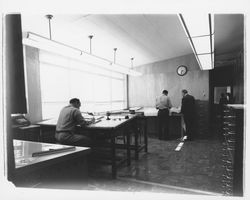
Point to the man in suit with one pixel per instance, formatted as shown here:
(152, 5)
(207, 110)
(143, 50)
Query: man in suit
(163, 104)
(188, 110)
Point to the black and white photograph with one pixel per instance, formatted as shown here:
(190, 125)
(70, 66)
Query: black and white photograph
(124, 103)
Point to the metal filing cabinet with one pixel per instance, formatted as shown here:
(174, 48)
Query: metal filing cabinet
(232, 156)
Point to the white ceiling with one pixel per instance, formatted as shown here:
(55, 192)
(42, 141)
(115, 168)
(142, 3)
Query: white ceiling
(147, 38)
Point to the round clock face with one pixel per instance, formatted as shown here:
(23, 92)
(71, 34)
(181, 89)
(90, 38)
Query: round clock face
(182, 70)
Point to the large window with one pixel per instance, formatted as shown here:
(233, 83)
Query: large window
(63, 78)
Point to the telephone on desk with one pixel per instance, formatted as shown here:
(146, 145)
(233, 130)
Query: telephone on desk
(19, 120)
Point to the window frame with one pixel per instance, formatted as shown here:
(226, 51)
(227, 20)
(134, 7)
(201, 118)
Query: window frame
(95, 103)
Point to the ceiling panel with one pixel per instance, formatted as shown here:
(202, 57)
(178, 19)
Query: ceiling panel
(147, 38)
(170, 31)
(116, 36)
(228, 33)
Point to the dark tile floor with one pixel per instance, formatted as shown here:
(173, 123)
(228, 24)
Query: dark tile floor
(195, 169)
(197, 166)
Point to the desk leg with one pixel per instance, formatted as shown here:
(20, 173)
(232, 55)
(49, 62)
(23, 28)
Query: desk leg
(114, 167)
(136, 143)
(145, 135)
(182, 127)
(40, 134)
(128, 147)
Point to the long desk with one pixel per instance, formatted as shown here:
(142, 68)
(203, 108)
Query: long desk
(27, 164)
(139, 131)
(176, 124)
(111, 129)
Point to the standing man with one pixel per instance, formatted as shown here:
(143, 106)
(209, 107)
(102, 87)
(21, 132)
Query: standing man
(223, 101)
(188, 110)
(69, 117)
(163, 104)
(229, 98)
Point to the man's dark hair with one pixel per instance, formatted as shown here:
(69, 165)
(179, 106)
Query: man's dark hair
(74, 101)
(165, 92)
(185, 91)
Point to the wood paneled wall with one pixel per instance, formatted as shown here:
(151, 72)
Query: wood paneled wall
(238, 87)
(162, 75)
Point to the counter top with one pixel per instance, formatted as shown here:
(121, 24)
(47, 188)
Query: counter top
(23, 151)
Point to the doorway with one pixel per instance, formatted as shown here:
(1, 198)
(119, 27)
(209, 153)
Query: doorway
(218, 92)
(220, 81)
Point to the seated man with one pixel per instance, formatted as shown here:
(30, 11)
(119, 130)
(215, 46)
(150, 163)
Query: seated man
(69, 117)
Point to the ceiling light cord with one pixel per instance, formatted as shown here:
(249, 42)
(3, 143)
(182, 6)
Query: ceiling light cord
(115, 49)
(49, 17)
(90, 43)
(132, 63)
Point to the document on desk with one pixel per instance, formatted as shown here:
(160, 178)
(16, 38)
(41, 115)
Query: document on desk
(175, 110)
(53, 151)
(150, 111)
(89, 117)
(95, 122)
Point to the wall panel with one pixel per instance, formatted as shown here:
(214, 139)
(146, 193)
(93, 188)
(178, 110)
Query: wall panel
(162, 75)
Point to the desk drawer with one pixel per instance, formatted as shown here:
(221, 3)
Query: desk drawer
(28, 133)
(48, 134)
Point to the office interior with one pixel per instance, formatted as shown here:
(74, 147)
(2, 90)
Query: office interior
(117, 65)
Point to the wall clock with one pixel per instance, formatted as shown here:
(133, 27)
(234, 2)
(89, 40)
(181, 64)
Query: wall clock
(181, 70)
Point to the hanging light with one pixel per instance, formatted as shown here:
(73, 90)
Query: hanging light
(115, 49)
(90, 43)
(200, 33)
(49, 17)
(135, 73)
(132, 62)
(47, 44)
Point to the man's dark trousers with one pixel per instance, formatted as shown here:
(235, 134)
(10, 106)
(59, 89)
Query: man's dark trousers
(163, 124)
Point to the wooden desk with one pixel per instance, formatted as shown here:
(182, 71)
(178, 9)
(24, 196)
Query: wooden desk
(25, 164)
(139, 132)
(111, 129)
(176, 124)
(29, 133)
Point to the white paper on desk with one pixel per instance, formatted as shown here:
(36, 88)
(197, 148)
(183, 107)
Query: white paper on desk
(150, 112)
(47, 147)
(175, 110)
(135, 108)
(90, 117)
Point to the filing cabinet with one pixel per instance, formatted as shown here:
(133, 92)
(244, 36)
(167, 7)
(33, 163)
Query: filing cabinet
(232, 152)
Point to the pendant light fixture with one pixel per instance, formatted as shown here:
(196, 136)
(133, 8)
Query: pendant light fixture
(49, 17)
(132, 63)
(90, 43)
(48, 44)
(115, 49)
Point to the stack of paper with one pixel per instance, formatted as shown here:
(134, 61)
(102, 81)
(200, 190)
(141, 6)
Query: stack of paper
(150, 111)
(175, 110)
